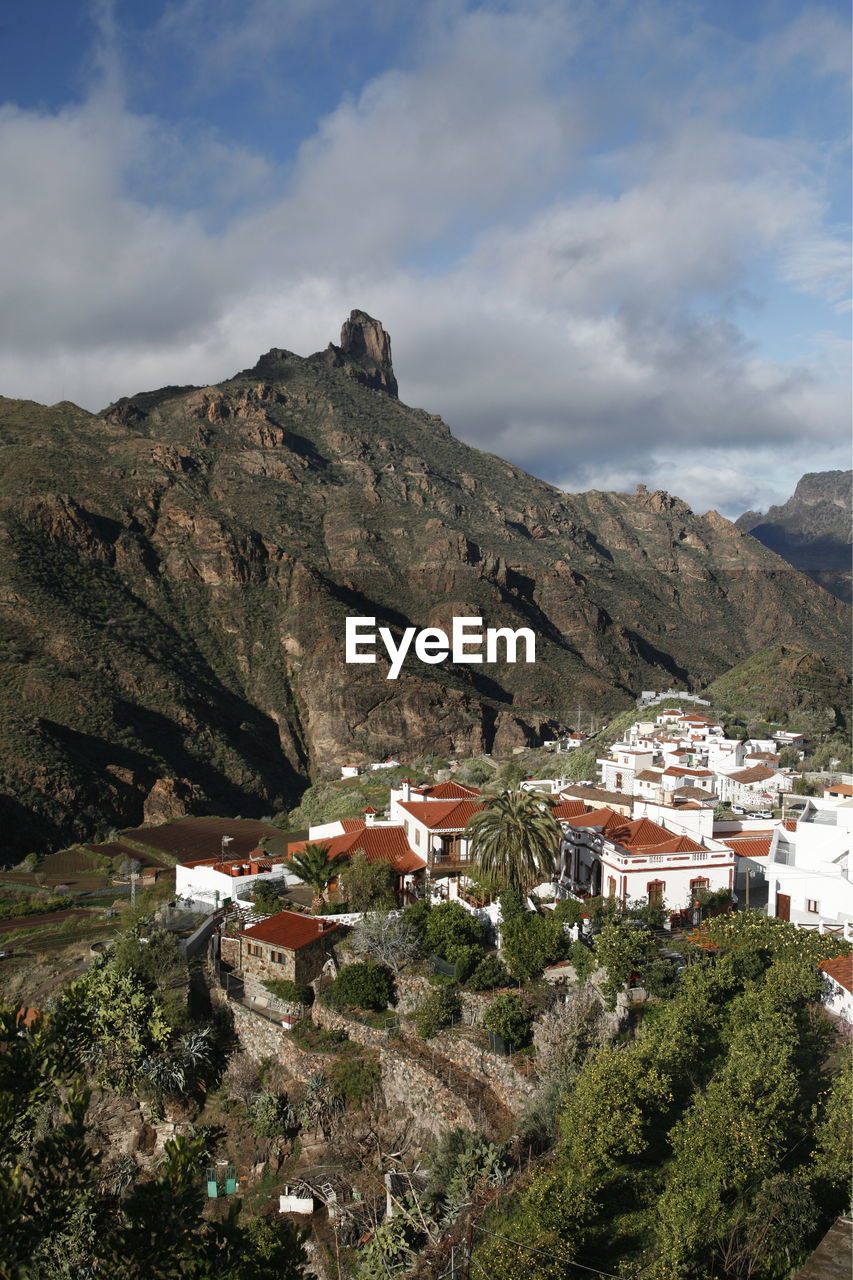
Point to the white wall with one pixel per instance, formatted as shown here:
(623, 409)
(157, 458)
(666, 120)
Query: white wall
(696, 823)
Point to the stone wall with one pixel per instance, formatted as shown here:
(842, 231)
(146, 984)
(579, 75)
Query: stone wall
(508, 1085)
(413, 989)
(414, 1090)
(334, 1021)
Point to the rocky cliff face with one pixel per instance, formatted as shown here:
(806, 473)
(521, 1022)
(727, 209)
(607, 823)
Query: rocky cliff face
(175, 575)
(812, 530)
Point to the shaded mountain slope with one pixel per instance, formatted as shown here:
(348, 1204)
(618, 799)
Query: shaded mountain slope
(175, 574)
(813, 530)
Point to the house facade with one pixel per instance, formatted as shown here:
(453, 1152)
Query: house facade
(286, 945)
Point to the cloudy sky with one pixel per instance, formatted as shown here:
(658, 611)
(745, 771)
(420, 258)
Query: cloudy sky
(609, 238)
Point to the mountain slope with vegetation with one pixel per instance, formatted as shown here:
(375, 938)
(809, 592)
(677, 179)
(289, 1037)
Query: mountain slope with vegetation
(176, 571)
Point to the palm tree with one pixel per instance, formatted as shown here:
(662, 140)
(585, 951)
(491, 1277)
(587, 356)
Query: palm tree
(515, 839)
(312, 867)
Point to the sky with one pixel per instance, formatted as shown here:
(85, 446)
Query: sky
(609, 238)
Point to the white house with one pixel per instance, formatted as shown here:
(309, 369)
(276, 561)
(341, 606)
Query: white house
(219, 880)
(617, 771)
(808, 868)
(752, 788)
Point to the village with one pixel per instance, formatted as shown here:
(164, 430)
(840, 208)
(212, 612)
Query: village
(416, 991)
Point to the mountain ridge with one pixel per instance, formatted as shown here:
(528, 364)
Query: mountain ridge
(175, 573)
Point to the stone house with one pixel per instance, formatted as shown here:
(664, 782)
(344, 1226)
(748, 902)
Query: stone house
(286, 945)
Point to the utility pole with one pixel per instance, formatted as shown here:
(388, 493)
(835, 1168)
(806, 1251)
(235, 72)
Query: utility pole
(466, 1258)
(134, 876)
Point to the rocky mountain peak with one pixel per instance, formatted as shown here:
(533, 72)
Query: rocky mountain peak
(366, 349)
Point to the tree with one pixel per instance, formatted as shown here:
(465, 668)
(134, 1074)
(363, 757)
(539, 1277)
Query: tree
(312, 867)
(530, 940)
(368, 885)
(509, 1017)
(623, 952)
(566, 1035)
(515, 839)
(389, 938)
(489, 973)
(450, 925)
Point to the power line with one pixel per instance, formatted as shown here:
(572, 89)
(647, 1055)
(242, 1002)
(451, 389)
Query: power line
(530, 1249)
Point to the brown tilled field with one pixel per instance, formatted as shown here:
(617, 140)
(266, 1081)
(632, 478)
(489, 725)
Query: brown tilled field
(187, 839)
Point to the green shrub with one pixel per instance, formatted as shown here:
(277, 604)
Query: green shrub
(509, 1017)
(417, 914)
(292, 992)
(583, 960)
(362, 986)
(489, 973)
(441, 1008)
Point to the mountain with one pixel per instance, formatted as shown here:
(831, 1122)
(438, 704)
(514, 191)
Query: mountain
(176, 571)
(787, 685)
(813, 530)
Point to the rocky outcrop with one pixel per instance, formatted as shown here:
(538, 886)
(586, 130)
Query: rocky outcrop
(366, 351)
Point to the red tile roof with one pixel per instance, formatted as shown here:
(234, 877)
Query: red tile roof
(681, 771)
(676, 844)
(755, 846)
(604, 819)
(442, 815)
(648, 775)
(450, 791)
(379, 844)
(841, 969)
(290, 930)
(758, 773)
(640, 833)
(565, 809)
(840, 789)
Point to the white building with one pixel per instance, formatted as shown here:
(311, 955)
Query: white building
(838, 986)
(808, 868)
(219, 880)
(617, 771)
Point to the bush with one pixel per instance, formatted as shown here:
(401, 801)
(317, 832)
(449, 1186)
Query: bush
(292, 992)
(362, 986)
(465, 957)
(489, 973)
(441, 1008)
(509, 1017)
(583, 960)
(530, 940)
(451, 925)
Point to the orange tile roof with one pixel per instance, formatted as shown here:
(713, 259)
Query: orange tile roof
(841, 969)
(442, 815)
(290, 930)
(379, 844)
(648, 775)
(840, 789)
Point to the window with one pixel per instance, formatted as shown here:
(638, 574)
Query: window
(618, 782)
(417, 836)
(655, 890)
(813, 906)
(253, 949)
(701, 882)
(611, 887)
(278, 957)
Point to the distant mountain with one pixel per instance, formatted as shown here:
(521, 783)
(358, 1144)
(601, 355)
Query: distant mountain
(175, 575)
(813, 530)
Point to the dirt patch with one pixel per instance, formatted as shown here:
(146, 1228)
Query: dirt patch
(187, 839)
(34, 921)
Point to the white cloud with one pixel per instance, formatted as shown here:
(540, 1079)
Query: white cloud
(586, 331)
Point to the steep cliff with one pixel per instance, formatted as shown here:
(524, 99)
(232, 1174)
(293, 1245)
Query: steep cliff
(813, 530)
(175, 574)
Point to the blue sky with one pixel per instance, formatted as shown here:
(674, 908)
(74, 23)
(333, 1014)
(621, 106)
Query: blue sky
(610, 239)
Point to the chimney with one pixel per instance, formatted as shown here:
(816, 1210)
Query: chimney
(406, 785)
(369, 816)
